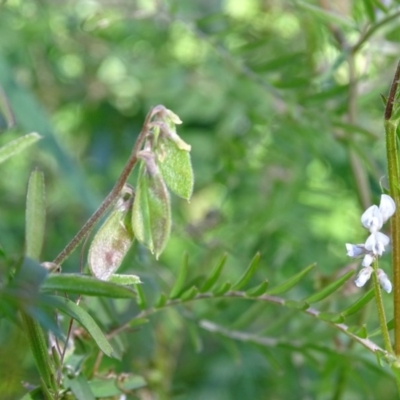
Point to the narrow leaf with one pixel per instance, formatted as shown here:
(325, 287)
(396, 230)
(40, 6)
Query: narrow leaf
(258, 290)
(151, 213)
(162, 300)
(180, 280)
(126, 280)
(111, 242)
(222, 289)
(331, 317)
(359, 304)
(35, 215)
(291, 282)
(297, 305)
(18, 145)
(248, 274)
(213, 277)
(85, 285)
(140, 299)
(82, 317)
(362, 332)
(38, 345)
(189, 294)
(176, 168)
(325, 292)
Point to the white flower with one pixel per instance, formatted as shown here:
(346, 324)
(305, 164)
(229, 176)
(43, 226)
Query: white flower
(363, 276)
(355, 250)
(376, 243)
(387, 207)
(358, 250)
(384, 281)
(374, 217)
(368, 259)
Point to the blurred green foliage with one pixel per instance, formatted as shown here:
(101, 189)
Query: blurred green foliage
(280, 101)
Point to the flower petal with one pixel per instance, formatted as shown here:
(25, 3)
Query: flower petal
(372, 219)
(387, 207)
(363, 276)
(384, 281)
(376, 243)
(355, 250)
(367, 261)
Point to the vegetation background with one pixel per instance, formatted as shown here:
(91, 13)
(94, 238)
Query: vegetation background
(281, 102)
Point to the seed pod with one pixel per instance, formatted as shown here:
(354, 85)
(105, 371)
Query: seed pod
(151, 212)
(113, 239)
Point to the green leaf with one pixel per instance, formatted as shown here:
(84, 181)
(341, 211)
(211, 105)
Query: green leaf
(35, 215)
(38, 346)
(359, 304)
(258, 290)
(18, 145)
(162, 300)
(222, 289)
(214, 275)
(114, 386)
(370, 10)
(79, 387)
(248, 274)
(331, 288)
(126, 280)
(85, 285)
(175, 167)
(297, 304)
(111, 242)
(180, 280)
(140, 299)
(189, 294)
(331, 317)
(362, 332)
(291, 282)
(82, 317)
(151, 213)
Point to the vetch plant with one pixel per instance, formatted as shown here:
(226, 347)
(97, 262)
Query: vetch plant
(35, 292)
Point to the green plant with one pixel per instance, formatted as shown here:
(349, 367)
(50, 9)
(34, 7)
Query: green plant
(281, 106)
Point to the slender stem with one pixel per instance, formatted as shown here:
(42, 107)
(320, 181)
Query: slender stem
(112, 196)
(358, 170)
(392, 94)
(363, 39)
(381, 309)
(367, 343)
(393, 176)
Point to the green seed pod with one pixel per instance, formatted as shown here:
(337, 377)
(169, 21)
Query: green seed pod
(113, 239)
(151, 212)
